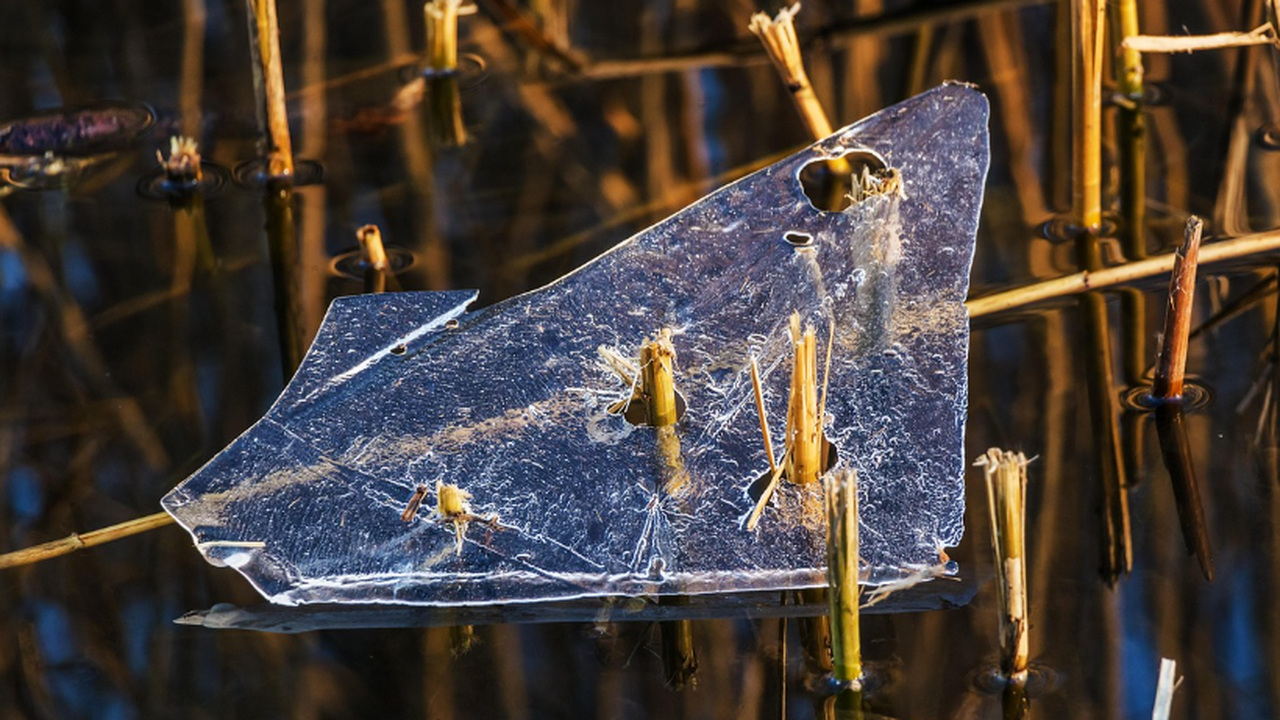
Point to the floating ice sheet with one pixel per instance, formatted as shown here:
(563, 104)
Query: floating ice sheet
(511, 402)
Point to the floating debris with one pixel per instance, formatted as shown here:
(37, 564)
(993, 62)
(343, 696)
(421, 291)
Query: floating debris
(511, 402)
(77, 132)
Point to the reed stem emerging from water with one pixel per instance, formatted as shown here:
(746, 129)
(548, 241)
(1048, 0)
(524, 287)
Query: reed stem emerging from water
(442, 34)
(78, 541)
(841, 490)
(1087, 28)
(1006, 479)
(269, 77)
(374, 256)
(1171, 365)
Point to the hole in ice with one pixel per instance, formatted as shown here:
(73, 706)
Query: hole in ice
(757, 486)
(636, 411)
(399, 350)
(798, 239)
(829, 183)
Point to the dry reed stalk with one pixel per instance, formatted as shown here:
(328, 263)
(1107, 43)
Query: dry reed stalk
(1006, 479)
(442, 34)
(657, 359)
(804, 433)
(1085, 280)
(841, 490)
(1087, 53)
(1172, 363)
(269, 77)
(1132, 129)
(778, 35)
(182, 167)
(372, 251)
(1262, 35)
(78, 541)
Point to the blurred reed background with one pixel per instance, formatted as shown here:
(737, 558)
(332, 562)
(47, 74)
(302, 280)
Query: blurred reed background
(138, 336)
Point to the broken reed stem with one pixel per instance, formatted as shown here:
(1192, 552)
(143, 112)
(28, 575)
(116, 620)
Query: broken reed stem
(841, 489)
(1086, 78)
(764, 418)
(182, 167)
(1165, 687)
(805, 432)
(1085, 280)
(1262, 35)
(1006, 479)
(269, 77)
(372, 251)
(374, 256)
(442, 34)
(1171, 365)
(657, 359)
(78, 541)
(778, 35)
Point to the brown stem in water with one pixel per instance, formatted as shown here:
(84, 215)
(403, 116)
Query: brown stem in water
(374, 255)
(1172, 363)
(78, 541)
(841, 489)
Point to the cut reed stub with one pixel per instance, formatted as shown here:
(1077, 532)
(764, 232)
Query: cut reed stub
(1005, 474)
(1171, 365)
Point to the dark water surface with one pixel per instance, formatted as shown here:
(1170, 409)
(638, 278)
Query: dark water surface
(139, 337)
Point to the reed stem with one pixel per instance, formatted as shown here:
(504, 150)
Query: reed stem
(1132, 129)
(374, 256)
(1086, 78)
(1006, 480)
(1171, 365)
(778, 35)
(657, 359)
(804, 433)
(841, 489)
(268, 76)
(1086, 280)
(79, 541)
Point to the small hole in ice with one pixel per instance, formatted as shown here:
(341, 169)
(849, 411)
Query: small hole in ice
(798, 239)
(399, 350)
(451, 324)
